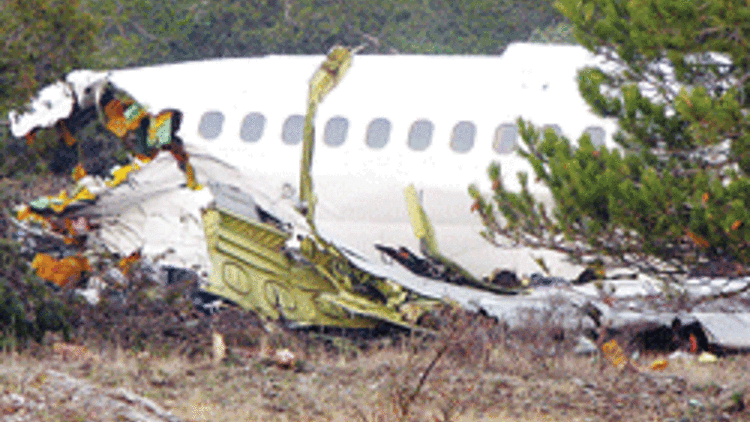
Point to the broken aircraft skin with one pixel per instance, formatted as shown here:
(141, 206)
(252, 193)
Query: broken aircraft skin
(99, 111)
(263, 252)
(71, 109)
(292, 273)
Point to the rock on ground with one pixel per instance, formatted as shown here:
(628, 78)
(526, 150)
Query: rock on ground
(52, 393)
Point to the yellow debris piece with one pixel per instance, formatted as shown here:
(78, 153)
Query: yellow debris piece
(60, 202)
(126, 263)
(84, 194)
(412, 312)
(120, 119)
(133, 116)
(60, 271)
(337, 63)
(159, 130)
(420, 223)
(614, 354)
(63, 201)
(330, 73)
(707, 357)
(192, 182)
(25, 213)
(143, 158)
(121, 174)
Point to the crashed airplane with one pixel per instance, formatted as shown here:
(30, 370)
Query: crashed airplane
(399, 140)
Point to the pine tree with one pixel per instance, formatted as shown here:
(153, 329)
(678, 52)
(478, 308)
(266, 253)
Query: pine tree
(672, 198)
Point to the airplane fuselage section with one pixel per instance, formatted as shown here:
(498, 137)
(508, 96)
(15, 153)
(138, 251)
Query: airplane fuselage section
(434, 121)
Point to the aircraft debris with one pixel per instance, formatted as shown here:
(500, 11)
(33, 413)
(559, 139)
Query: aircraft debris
(62, 272)
(266, 254)
(72, 109)
(659, 365)
(616, 356)
(284, 358)
(290, 272)
(584, 346)
(707, 357)
(435, 266)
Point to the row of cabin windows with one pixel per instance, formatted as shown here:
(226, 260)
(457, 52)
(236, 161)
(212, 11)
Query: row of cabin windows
(378, 132)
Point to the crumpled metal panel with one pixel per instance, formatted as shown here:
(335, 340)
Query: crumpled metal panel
(253, 267)
(731, 330)
(53, 103)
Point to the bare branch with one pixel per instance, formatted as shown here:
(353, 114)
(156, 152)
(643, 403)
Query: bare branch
(143, 32)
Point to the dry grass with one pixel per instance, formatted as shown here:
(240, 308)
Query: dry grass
(472, 369)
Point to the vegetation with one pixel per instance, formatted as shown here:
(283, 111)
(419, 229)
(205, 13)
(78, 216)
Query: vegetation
(41, 40)
(675, 193)
(473, 368)
(149, 32)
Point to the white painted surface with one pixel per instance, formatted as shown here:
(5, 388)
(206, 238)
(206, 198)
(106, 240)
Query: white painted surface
(360, 189)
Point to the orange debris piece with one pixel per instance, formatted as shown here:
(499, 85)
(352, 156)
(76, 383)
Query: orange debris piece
(659, 365)
(698, 240)
(693, 344)
(78, 172)
(115, 120)
(66, 135)
(60, 271)
(30, 137)
(126, 263)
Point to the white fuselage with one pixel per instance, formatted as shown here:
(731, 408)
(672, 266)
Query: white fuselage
(372, 134)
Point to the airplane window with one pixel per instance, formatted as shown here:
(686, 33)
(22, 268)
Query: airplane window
(506, 138)
(462, 139)
(556, 128)
(291, 133)
(211, 124)
(378, 133)
(420, 135)
(335, 131)
(252, 127)
(597, 135)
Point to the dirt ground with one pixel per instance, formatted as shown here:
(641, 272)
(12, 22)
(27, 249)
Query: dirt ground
(472, 369)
